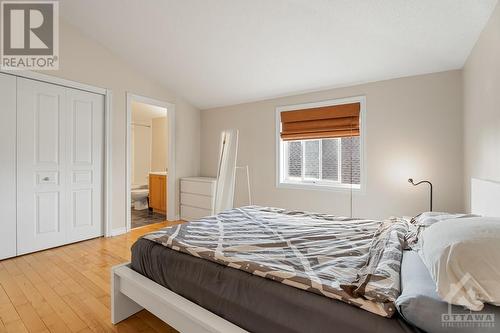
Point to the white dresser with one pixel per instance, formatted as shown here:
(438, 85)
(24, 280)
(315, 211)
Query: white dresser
(197, 197)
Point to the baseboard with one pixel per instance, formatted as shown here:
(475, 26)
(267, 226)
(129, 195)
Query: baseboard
(123, 230)
(175, 218)
(117, 232)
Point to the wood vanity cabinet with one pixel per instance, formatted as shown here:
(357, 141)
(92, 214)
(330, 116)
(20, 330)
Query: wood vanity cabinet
(158, 193)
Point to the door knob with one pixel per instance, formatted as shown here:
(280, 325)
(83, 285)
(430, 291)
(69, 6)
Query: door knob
(45, 179)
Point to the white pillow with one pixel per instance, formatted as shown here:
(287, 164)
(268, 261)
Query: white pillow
(463, 257)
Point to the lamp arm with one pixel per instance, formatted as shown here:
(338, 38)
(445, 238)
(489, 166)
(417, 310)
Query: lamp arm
(423, 181)
(430, 184)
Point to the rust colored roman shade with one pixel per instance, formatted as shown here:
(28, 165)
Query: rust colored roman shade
(325, 122)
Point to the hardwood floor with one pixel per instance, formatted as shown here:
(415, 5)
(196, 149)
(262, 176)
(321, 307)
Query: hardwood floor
(66, 289)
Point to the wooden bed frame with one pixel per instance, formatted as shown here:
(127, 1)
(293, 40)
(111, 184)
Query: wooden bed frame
(131, 292)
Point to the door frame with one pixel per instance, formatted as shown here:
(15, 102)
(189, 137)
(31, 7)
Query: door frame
(170, 153)
(107, 229)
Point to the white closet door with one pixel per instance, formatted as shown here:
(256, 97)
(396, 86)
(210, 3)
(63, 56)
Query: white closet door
(60, 149)
(85, 163)
(7, 166)
(41, 145)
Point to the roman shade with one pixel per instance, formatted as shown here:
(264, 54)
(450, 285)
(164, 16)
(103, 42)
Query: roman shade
(325, 122)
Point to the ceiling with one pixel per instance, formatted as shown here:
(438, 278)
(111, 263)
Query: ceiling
(223, 52)
(144, 113)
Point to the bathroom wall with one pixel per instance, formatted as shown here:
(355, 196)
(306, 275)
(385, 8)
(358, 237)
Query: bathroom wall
(159, 145)
(149, 141)
(141, 153)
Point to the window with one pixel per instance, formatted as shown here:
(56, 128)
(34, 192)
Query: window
(321, 153)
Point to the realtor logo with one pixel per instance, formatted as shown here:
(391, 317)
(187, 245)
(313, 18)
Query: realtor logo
(465, 319)
(29, 35)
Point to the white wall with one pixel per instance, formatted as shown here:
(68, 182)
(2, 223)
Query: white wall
(159, 145)
(481, 88)
(414, 129)
(84, 60)
(141, 153)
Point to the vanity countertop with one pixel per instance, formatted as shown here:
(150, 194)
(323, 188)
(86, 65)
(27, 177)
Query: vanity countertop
(158, 173)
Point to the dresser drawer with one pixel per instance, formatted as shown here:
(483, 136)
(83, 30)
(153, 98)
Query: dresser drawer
(197, 187)
(197, 200)
(189, 213)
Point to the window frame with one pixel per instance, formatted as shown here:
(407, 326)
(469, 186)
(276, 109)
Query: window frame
(281, 159)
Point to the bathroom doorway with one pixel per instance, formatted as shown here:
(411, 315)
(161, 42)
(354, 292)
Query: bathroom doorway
(150, 192)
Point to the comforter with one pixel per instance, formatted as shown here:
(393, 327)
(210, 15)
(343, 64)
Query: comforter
(352, 260)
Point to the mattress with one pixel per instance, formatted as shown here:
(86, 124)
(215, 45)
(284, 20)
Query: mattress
(252, 302)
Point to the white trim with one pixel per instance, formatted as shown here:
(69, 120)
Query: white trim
(117, 232)
(171, 216)
(108, 98)
(281, 183)
(339, 161)
(108, 217)
(320, 187)
(57, 81)
(171, 178)
(128, 163)
(131, 292)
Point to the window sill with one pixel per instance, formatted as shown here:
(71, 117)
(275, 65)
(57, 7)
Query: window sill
(320, 187)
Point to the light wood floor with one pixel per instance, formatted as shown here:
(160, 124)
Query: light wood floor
(66, 289)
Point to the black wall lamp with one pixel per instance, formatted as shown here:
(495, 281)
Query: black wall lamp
(410, 180)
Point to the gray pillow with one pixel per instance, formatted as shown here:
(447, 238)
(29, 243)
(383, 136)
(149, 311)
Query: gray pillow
(421, 306)
(424, 220)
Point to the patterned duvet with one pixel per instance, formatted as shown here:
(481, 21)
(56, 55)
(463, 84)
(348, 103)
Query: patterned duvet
(351, 260)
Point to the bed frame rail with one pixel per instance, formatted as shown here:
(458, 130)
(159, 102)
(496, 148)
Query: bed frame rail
(132, 292)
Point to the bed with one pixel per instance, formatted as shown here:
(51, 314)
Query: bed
(187, 284)
(254, 303)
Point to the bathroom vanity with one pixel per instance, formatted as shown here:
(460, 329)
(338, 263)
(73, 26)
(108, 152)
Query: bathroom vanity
(158, 192)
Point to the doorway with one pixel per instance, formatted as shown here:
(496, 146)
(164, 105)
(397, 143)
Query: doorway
(150, 161)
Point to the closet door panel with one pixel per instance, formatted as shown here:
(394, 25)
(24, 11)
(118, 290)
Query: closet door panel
(8, 166)
(41, 199)
(84, 158)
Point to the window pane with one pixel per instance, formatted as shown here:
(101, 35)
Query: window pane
(330, 159)
(294, 158)
(311, 159)
(351, 166)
